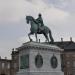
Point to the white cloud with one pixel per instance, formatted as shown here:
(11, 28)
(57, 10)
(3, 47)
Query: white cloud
(55, 15)
(15, 10)
(4, 52)
(60, 3)
(6, 47)
(24, 39)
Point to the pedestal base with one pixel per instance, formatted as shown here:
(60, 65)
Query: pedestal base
(39, 59)
(40, 73)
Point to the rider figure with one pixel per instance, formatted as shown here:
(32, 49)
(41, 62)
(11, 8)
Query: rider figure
(39, 20)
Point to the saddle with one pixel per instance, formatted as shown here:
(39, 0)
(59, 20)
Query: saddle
(41, 28)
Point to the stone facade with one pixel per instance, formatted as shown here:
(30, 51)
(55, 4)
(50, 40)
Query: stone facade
(46, 52)
(9, 67)
(69, 63)
(5, 67)
(15, 61)
(68, 56)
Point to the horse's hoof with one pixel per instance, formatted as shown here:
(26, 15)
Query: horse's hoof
(52, 42)
(31, 40)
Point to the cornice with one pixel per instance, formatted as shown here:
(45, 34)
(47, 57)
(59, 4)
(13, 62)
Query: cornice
(39, 46)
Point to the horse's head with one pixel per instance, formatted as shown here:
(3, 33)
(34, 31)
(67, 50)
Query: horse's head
(29, 18)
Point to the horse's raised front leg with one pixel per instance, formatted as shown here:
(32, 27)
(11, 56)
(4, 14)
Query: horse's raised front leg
(36, 37)
(29, 36)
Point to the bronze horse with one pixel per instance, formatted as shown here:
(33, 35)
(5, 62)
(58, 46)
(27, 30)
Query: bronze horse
(34, 29)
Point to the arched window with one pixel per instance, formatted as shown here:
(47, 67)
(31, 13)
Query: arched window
(24, 61)
(38, 61)
(54, 62)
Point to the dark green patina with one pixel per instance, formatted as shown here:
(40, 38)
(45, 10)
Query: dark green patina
(37, 27)
(24, 61)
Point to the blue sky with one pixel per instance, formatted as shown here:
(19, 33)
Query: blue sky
(58, 15)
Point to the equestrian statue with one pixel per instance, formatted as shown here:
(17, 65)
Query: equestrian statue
(38, 27)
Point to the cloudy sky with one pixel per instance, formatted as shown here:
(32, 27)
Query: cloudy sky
(58, 15)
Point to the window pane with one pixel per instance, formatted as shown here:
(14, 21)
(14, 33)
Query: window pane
(8, 65)
(3, 64)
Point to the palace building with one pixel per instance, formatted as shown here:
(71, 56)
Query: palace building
(10, 67)
(68, 56)
(5, 66)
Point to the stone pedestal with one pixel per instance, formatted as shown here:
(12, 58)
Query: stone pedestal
(39, 59)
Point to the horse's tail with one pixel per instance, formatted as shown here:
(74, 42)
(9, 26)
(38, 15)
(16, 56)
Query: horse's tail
(50, 35)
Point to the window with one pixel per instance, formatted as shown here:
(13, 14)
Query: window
(24, 62)
(68, 73)
(3, 64)
(73, 63)
(54, 62)
(15, 65)
(62, 62)
(38, 61)
(8, 66)
(68, 63)
(73, 55)
(67, 55)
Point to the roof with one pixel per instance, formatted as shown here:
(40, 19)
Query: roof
(66, 45)
(6, 60)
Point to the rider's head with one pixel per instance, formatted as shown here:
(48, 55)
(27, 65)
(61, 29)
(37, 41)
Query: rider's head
(39, 15)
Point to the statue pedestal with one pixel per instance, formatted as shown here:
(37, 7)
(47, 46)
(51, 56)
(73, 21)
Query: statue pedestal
(39, 59)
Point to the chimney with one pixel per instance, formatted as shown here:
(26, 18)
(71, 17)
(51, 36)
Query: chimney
(0, 57)
(5, 57)
(39, 40)
(61, 39)
(13, 49)
(71, 39)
